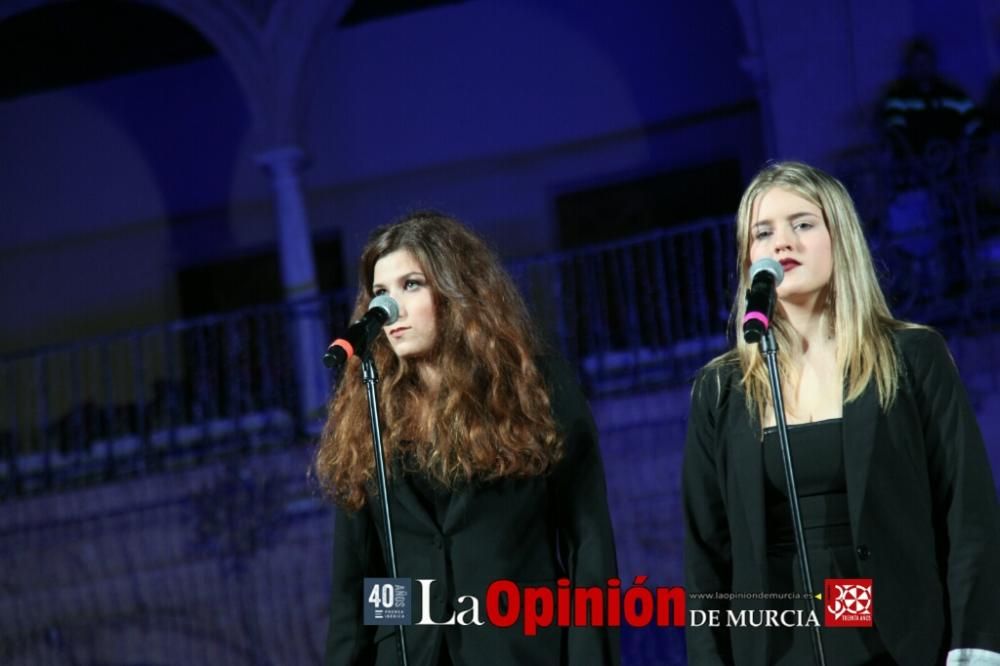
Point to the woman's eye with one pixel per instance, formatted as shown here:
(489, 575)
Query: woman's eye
(378, 292)
(804, 225)
(762, 234)
(410, 285)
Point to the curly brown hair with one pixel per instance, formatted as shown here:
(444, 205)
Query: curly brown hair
(491, 417)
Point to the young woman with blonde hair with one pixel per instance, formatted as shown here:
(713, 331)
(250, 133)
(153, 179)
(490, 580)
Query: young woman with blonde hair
(494, 467)
(892, 474)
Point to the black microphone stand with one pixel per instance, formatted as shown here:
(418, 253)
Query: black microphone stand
(769, 348)
(370, 377)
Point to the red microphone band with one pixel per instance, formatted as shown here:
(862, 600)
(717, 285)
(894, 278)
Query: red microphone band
(345, 345)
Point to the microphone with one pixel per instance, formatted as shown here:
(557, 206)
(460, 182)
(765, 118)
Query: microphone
(765, 276)
(382, 311)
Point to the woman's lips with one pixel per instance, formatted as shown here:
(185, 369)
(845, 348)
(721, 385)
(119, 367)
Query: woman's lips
(399, 330)
(788, 264)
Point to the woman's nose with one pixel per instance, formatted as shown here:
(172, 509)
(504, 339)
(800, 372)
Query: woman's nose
(783, 238)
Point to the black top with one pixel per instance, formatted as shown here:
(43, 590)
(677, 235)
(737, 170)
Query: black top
(817, 455)
(821, 482)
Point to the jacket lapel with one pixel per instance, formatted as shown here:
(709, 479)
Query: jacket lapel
(457, 508)
(403, 500)
(859, 426)
(749, 463)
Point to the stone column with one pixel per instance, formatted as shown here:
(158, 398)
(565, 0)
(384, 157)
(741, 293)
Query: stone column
(298, 275)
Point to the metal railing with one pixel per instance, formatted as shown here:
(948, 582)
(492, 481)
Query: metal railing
(647, 310)
(632, 314)
(150, 399)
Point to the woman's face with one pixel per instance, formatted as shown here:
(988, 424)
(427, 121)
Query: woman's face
(791, 230)
(400, 275)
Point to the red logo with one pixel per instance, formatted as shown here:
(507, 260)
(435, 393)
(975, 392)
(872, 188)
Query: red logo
(847, 602)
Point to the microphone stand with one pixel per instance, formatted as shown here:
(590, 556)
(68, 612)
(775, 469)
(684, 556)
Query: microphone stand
(370, 377)
(769, 348)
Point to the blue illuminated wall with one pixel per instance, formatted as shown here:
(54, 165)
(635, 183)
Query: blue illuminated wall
(489, 110)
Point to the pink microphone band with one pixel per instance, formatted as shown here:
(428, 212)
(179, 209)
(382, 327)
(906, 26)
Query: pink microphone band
(759, 317)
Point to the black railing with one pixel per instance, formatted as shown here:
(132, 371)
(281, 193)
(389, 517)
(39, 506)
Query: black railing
(632, 314)
(151, 398)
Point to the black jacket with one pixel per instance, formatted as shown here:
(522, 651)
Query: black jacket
(532, 531)
(922, 506)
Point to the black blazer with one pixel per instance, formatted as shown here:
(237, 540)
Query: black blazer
(922, 506)
(532, 531)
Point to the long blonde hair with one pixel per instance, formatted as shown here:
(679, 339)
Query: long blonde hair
(492, 420)
(856, 309)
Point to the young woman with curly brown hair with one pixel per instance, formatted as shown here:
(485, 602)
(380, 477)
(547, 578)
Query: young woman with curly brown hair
(492, 456)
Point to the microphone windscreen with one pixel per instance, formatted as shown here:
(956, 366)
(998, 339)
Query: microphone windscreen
(391, 307)
(769, 265)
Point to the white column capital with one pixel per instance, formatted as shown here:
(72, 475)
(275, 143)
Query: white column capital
(282, 161)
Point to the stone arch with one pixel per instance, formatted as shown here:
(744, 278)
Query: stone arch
(754, 63)
(225, 27)
(236, 39)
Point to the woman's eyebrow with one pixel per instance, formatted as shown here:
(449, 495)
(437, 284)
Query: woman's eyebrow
(407, 276)
(791, 218)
